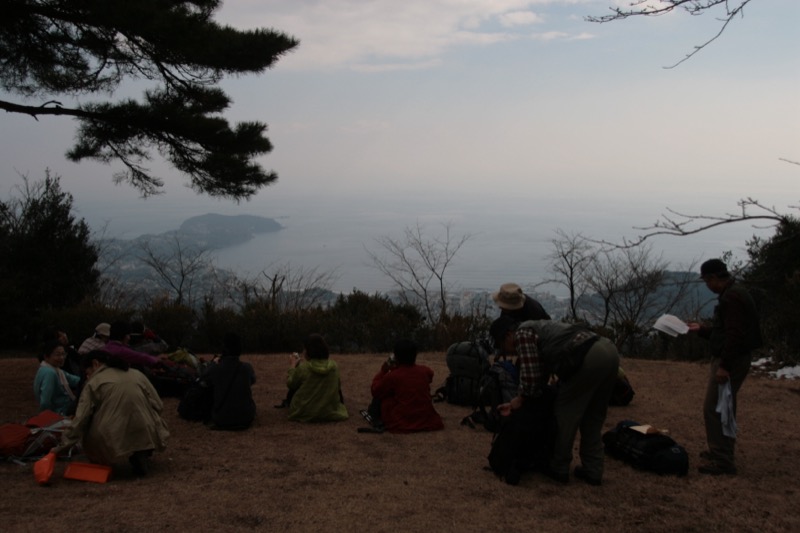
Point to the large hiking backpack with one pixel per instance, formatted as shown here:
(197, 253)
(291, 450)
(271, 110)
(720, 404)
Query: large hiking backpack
(34, 438)
(467, 362)
(499, 384)
(655, 452)
(524, 440)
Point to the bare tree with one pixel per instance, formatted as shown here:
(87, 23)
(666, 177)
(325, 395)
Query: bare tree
(681, 224)
(282, 287)
(293, 289)
(417, 263)
(634, 288)
(178, 266)
(646, 8)
(571, 256)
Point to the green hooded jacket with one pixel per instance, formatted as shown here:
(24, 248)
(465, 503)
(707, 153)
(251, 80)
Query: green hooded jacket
(316, 392)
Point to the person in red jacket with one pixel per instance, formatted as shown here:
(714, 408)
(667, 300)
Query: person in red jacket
(402, 388)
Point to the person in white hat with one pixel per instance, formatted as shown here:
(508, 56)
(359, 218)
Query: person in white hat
(518, 305)
(96, 341)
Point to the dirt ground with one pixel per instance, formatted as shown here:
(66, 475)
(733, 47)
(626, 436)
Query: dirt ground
(287, 476)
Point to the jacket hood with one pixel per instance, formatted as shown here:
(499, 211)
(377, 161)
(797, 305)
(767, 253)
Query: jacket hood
(321, 366)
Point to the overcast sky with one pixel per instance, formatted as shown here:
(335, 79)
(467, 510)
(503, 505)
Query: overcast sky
(502, 103)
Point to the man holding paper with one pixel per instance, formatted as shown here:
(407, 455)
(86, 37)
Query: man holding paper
(733, 333)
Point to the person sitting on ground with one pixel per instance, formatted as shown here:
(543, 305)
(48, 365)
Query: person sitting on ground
(117, 346)
(72, 361)
(314, 385)
(54, 388)
(230, 381)
(98, 340)
(401, 393)
(518, 305)
(118, 415)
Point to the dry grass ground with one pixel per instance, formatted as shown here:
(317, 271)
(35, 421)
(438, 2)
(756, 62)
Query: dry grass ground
(284, 476)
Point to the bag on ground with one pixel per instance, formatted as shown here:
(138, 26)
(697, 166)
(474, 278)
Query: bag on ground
(499, 384)
(654, 452)
(524, 440)
(467, 362)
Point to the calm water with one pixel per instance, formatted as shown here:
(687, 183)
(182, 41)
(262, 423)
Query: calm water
(508, 246)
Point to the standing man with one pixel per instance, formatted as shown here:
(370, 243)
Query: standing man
(586, 365)
(518, 305)
(734, 333)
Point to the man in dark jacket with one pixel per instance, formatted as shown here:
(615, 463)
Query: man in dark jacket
(733, 333)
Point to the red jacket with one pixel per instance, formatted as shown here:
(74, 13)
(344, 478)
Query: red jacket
(405, 396)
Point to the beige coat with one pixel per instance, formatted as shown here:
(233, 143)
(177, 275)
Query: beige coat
(118, 413)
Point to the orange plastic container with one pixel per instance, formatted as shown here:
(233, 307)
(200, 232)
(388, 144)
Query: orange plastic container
(43, 468)
(88, 472)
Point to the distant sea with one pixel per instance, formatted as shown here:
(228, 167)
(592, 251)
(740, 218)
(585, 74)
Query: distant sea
(510, 235)
(504, 246)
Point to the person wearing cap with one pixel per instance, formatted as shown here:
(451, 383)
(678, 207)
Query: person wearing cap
(518, 305)
(733, 333)
(98, 340)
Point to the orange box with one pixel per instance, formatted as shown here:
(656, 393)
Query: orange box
(87, 472)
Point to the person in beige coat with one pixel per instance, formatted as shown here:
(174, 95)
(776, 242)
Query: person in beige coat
(118, 415)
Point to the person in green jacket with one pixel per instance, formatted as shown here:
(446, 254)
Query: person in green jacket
(314, 384)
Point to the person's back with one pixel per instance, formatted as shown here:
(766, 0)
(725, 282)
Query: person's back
(405, 396)
(119, 415)
(230, 381)
(317, 392)
(315, 386)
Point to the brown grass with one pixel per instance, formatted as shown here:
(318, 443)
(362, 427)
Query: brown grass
(285, 476)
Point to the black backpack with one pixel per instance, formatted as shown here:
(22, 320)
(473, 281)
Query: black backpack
(655, 452)
(499, 384)
(524, 441)
(467, 362)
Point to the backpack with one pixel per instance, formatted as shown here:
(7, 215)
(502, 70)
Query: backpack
(655, 452)
(197, 402)
(524, 441)
(33, 439)
(499, 384)
(467, 362)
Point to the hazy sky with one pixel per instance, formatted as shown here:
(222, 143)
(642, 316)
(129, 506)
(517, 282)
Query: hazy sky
(505, 104)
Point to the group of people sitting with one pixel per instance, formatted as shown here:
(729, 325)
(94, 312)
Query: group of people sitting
(117, 411)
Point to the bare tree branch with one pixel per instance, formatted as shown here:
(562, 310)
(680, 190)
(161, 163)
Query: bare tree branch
(682, 224)
(646, 8)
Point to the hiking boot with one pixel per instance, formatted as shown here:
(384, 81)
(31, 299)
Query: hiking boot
(583, 475)
(706, 455)
(716, 469)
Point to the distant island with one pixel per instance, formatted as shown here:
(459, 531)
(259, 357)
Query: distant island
(212, 231)
(125, 260)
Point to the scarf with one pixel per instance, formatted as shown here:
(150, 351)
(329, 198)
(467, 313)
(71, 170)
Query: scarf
(61, 378)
